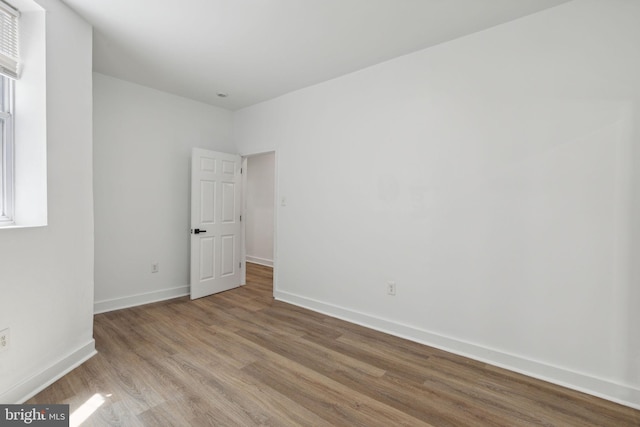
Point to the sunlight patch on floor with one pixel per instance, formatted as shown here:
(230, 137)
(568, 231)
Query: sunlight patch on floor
(81, 414)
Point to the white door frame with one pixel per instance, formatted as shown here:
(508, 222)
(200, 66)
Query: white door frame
(243, 223)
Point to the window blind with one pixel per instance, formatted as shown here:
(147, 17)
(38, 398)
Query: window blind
(9, 57)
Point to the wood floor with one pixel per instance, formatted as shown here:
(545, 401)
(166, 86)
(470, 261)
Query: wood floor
(240, 358)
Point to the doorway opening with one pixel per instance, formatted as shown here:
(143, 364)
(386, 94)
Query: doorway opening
(259, 207)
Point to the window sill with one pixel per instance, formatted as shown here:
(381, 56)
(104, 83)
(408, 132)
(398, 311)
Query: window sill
(14, 226)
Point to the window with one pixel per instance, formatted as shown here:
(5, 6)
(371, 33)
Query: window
(9, 70)
(6, 151)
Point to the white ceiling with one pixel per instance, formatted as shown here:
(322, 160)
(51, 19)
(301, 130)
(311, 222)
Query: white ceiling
(256, 50)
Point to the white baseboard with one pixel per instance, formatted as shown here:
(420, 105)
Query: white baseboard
(38, 382)
(139, 299)
(258, 260)
(619, 393)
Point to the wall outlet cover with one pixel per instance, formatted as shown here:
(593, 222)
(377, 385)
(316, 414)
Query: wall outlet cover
(391, 288)
(4, 339)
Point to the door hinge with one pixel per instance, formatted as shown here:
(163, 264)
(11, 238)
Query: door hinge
(240, 265)
(240, 171)
(240, 218)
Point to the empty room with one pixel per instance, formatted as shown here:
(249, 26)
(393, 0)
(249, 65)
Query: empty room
(320, 213)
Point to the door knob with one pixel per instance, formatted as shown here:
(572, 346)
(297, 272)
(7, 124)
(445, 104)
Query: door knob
(198, 231)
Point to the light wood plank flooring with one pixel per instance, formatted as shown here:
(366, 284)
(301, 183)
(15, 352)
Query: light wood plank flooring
(240, 358)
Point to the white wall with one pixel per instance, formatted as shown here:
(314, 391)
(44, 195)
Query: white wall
(46, 273)
(494, 178)
(142, 151)
(259, 208)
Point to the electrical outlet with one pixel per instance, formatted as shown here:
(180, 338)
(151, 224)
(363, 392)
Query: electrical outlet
(391, 288)
(155, 267)
(4, 339)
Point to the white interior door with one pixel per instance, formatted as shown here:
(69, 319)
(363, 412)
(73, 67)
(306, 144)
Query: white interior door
(215, 222)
